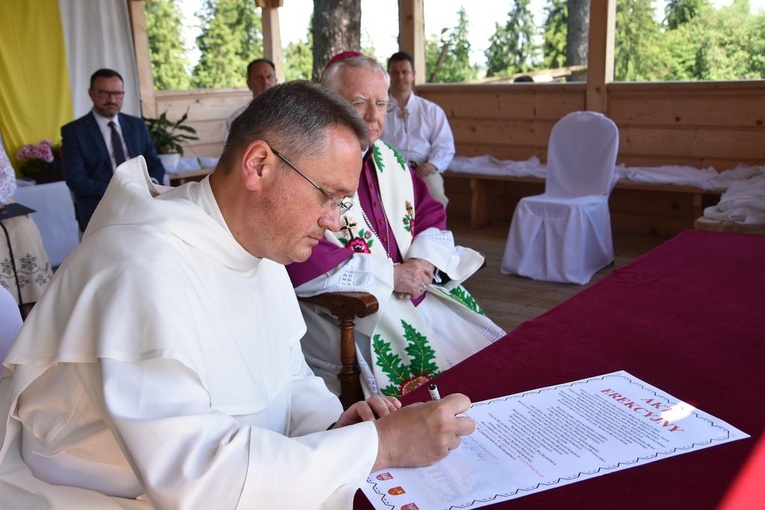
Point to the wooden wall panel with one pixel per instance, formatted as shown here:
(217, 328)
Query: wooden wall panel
(208, 111)
(717, 124)
(516, 153)
(711, 104)
(696, 142)
(203, 105)
(701, 110)
(507, 121)
(548, 102)
(497, 132)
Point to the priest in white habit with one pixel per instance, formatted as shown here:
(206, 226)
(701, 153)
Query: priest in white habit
(162, 367)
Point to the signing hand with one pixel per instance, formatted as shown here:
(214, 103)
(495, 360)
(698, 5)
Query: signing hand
(421, 434)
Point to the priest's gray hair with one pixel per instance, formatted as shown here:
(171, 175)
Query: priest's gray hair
(293, 118)
(330, 78)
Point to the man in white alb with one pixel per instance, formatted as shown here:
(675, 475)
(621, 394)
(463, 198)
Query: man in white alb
(162, 368)
(418, 128)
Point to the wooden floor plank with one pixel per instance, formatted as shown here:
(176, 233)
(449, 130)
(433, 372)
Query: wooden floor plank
(510, 300)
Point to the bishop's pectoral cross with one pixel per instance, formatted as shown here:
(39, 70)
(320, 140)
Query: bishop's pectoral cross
(349, 225)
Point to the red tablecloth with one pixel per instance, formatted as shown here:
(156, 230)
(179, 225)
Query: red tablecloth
(687, 317)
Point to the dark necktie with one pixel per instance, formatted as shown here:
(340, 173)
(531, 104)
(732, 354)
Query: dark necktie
(119, 152)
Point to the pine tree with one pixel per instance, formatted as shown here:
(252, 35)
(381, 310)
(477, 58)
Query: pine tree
(511, 48)
(230, 39)
(168, 56)
(680, 12)
(555, 29)
(756, 46)
(637, 55)
(298, 58)
(730, 44)
(455, 65)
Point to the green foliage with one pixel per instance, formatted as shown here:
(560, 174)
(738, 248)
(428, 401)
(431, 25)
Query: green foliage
(512, 48)
(680, 12)
(554, 36)
(695, 42)
(298, 58)
(168, 55)
(455, 66)
(230, 39)
(167, 135)
(756, 46)
(729, 37)
(637, 42)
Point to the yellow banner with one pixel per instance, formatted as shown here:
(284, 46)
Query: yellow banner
(35, 99)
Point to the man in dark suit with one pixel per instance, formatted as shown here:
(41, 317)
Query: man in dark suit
(97, 143)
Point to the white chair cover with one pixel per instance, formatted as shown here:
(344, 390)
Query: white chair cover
(564, 234)
(10, 321)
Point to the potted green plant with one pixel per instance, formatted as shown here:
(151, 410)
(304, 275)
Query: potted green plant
(167, 136)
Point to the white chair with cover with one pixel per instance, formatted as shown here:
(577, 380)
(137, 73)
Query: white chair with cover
(10, 322)
(564, 234)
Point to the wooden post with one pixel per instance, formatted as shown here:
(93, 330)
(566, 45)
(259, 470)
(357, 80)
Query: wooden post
(142, 58)
(412, 35)
(600, 53)
(272, 39)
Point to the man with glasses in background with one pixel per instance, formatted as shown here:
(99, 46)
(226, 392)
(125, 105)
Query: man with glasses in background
(96, 144)
(392, 243)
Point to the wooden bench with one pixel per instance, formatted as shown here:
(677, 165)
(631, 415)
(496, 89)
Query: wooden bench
(702, 223)
(481, 186)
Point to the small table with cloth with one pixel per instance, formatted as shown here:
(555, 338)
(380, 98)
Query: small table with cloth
(26, 274)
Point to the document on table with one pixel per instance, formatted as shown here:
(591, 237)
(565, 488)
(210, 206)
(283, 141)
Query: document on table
(549, 437)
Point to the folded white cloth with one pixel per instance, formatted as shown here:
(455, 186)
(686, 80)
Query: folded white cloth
(743, 202)
(704, 178)
(739, 173)
(669, 174)
(490, 165)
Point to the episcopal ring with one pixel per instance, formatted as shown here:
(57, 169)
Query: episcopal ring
(423, 287)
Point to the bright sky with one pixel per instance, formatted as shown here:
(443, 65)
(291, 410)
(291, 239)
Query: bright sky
(379, 20)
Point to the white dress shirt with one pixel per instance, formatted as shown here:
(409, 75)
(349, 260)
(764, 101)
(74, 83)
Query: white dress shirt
(420, 132)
